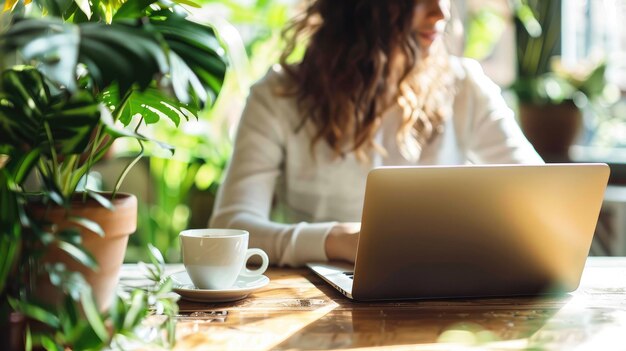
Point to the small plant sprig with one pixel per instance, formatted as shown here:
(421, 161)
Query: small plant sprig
(149, 313)
(77, 323)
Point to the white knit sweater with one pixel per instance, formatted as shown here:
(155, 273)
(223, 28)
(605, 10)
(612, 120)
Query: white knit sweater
(289, 199)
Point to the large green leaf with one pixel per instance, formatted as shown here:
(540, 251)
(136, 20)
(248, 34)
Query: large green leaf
(73, 121)
(200, 71)
(23, 99)
(27, 109)
(57, 8)
(49, 43)
(123, 53)
(141, 8)
(128, 52)
(152, 105)
(116, 132)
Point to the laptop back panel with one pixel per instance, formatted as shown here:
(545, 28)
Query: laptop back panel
(431, 232)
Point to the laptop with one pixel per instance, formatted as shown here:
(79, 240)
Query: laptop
(472, 231)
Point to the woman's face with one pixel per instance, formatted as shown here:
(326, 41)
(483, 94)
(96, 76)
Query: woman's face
(429, 20)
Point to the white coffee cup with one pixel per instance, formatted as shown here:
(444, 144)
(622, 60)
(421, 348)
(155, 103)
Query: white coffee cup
(214, 258)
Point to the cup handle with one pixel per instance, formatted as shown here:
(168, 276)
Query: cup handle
(251, 273)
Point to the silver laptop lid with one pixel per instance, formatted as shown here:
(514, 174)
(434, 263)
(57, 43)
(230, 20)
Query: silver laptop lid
(476, 230)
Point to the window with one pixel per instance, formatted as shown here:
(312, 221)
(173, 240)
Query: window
(597, 27)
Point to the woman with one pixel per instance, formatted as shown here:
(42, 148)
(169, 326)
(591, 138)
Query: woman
(375, 87)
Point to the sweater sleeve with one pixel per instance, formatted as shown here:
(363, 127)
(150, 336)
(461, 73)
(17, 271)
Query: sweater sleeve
(495, 135)
(244, 199)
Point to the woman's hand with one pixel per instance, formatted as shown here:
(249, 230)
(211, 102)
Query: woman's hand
(341, 242)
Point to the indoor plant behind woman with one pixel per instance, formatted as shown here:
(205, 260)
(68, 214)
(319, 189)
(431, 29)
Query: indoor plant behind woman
(552, 95)
(89, 73)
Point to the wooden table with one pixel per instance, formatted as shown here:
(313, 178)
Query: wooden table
(298, 311)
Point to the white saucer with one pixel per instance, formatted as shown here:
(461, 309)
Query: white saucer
(242, 288)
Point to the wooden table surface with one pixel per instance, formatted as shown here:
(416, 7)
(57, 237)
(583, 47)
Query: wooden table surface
(298, 311)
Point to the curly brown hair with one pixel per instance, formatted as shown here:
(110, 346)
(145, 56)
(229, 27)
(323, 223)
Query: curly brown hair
(347, 77)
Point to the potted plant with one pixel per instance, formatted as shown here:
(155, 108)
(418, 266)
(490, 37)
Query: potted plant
(550, 94)
(82, 76)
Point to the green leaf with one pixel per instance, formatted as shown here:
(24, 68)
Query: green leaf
(87, 339)
(108, 11)
(8, 252)
(35, 311)
(79, 253)
(49, 42)
(155, 255)
(73, 284)
(117, 311)
(201, 67)
(526, 16)
(111, 66)
(70, 119)
(55, 273)
(73, 11)
(71, 310)
(183, 78)
(48, 343)
(28, 339)
(151, 272)
(55, 195)
(89, 224)
(165, 287)
(153, 105)
(595, 83)
(93, 316)
(71, 235)
(26, 164)
(112, 130)
(188, 3)
(137, 311)
(23, 98)
(116, 132)
(56, 7)
(103, 201)
(123, 52)
(133, 9)
(72, 122)
(128, 39)
(85, 7)
(161, 144)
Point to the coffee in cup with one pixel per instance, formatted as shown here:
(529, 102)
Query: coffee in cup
(214, 258)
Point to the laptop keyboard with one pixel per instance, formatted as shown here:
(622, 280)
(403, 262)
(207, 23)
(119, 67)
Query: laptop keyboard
(349, 274)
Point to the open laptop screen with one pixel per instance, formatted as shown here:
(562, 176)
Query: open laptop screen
(476, 230)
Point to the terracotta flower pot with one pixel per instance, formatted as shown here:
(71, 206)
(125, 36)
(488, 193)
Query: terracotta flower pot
(552, 129)
(108, 251)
